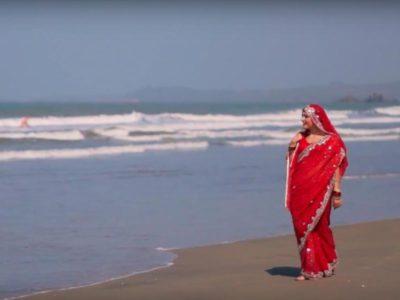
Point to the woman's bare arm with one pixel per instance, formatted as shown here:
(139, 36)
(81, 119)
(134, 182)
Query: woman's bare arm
(338, 181)
(337, 192)
(292, 145)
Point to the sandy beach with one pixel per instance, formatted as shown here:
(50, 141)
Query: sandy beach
(369, 256)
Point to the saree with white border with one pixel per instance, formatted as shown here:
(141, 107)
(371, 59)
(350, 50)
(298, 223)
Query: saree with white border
(309, 200)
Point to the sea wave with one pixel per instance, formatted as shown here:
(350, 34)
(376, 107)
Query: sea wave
(368, 132)
(138, 132)
(375, 175)
(283, 118)
(254, 143)
(178, 121)
(390, 110)
(98, 151)
(74, 135)
(158, 134)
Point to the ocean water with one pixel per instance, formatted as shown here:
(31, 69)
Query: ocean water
(97, 191)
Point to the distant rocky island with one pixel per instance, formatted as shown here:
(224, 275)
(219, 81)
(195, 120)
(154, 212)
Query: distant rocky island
(372, 98)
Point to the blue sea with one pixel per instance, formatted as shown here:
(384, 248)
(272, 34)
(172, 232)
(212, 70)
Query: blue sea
(95, 191)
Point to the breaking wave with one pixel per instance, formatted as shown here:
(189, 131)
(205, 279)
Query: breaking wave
(139, 132)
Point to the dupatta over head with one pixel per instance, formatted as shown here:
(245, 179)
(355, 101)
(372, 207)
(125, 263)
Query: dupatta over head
(321, 120)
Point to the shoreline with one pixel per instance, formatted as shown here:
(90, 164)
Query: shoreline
(168, 264)
(122, 277)
(150, 284)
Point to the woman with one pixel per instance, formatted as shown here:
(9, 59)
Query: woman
(316, 162)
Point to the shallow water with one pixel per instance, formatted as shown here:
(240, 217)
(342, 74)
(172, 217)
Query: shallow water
(74, 222)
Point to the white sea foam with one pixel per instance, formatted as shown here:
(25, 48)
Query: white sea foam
(158, 133)
(165, 249)
(284, 118)
(52, 121)
(227, 134)
(390, 137)
(172, 131)
(368, 132)
(179, 121)
(254, 143)
(390, 110)
(368, 120)
(366, 176)
(258, 142)
(74, 135)
(88, 152)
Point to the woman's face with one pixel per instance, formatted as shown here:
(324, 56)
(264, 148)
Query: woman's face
(306, 121)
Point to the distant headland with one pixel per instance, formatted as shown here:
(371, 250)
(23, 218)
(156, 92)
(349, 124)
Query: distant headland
(334, 92)
(362, 93)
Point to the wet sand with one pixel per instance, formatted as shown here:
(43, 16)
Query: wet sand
(369, 263)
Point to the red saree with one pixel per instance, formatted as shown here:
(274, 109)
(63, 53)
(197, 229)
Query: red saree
(309, 196)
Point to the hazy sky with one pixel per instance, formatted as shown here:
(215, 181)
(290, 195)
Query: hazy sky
(50, 51)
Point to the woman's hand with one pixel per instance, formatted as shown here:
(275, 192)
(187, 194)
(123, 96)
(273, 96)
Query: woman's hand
(337, 194)
(295, 140)
(292, 145)
(337, 202)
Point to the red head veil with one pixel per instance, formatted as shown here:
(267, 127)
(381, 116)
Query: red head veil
(321, 120)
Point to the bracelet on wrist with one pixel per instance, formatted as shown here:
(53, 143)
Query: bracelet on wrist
(337, 194)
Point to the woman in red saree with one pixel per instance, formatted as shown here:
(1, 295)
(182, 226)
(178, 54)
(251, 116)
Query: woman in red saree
(316, 162)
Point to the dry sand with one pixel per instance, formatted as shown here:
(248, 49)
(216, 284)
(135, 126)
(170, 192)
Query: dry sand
(369, 263)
